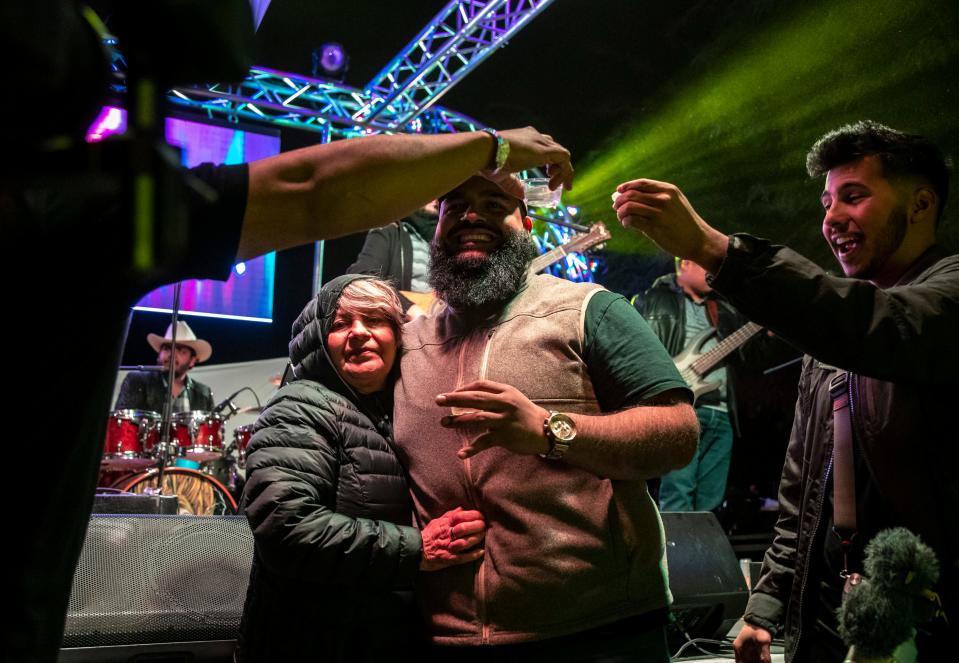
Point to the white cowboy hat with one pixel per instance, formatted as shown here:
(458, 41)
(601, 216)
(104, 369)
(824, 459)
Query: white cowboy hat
(184, 336)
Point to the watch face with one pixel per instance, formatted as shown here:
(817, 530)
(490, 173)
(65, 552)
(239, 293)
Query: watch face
(562, 427)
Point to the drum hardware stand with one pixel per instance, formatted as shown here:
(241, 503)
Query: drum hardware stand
(233, 412)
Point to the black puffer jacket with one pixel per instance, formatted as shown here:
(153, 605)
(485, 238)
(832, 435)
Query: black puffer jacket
(330, 513)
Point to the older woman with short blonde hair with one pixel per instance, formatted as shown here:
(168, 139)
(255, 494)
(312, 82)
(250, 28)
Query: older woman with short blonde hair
(336, 552)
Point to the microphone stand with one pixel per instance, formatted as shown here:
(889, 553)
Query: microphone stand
(228, 403)
(166, 418)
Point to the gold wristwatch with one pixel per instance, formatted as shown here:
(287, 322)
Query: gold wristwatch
(560, 430)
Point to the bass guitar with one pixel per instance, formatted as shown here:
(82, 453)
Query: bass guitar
(694, 364)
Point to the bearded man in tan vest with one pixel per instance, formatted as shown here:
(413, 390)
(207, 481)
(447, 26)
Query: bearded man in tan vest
(545, 405)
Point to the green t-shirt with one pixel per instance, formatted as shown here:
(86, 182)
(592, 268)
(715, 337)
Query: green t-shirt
(626, 361)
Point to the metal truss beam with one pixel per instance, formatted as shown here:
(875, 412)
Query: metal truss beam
(277, 97)
(400, 99)
(458, 39)
(292, 100)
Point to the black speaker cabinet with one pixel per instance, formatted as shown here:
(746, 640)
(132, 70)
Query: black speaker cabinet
(158, 588)
(708, 586)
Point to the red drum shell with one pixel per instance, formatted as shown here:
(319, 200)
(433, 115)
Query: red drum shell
(241, 438)
(130, 438)
(198, 435)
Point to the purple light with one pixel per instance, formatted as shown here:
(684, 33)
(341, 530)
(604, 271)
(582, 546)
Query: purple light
(111, 120)
(333, 57)
(330, 60)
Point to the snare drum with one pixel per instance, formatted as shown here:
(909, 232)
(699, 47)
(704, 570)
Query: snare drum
(130, 439)
(197, 493)
(241, 438)
(198, 435)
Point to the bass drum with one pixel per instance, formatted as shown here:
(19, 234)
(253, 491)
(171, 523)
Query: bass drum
(198, 494)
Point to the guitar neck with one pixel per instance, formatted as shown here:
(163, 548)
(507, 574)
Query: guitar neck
(710, 359)
(541, 262)
(579, 243)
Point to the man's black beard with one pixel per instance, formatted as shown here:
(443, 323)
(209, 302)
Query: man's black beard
(478, 282)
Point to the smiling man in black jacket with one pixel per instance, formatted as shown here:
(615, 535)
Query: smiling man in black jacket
(890, 323)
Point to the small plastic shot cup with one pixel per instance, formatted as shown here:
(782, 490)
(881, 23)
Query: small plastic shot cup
(538, 193)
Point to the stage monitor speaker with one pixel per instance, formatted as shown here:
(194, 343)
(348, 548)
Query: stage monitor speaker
(158, 588)
(707, 583)
(133, 503)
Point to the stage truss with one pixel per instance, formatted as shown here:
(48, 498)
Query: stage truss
(458, 39)
(400, 99)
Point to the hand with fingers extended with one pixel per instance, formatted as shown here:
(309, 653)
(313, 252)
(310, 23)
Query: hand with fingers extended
(510, 419)
(453, 538)
(661, 212)
(528, 148)
(752, 645)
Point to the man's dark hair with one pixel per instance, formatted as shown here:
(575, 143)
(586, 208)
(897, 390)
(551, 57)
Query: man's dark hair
(901, 155)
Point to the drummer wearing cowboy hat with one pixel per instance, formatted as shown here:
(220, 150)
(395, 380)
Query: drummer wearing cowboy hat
(147, 390)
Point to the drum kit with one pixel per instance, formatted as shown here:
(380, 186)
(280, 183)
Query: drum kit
(180, 454)
(203, 473)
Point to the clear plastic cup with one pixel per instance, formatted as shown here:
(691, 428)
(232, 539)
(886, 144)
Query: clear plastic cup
(538, 193)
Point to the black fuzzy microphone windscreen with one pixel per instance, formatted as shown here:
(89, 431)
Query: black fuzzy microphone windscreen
(880, 613)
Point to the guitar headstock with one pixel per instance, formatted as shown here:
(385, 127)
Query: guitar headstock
(579, 243)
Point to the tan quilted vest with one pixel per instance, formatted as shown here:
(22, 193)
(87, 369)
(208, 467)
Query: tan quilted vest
(565, 550)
